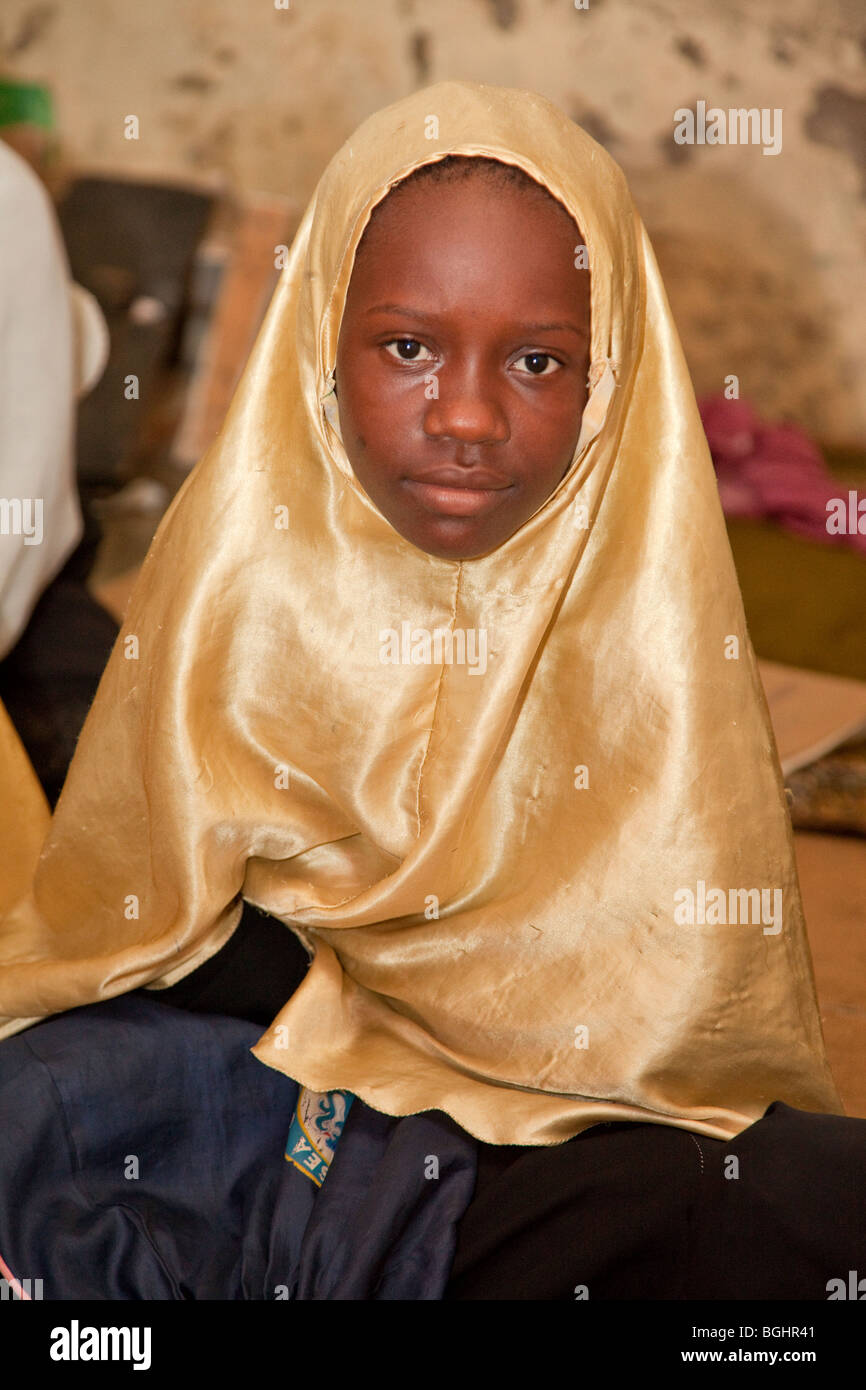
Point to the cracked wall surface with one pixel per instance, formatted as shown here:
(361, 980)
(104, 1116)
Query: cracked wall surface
(762, 255)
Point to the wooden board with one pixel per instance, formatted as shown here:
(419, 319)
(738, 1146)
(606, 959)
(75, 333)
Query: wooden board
(263, 223)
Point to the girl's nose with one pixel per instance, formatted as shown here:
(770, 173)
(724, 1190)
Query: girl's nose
(464, 406)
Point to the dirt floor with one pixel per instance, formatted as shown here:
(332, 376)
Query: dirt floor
(833, 881)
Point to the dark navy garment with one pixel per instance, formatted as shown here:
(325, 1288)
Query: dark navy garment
(142, 1157)
(165, 1087)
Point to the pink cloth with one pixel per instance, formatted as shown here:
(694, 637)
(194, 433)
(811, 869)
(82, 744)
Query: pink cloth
(775, 472)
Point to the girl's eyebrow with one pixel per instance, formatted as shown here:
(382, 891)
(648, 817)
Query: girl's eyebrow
(524, 327)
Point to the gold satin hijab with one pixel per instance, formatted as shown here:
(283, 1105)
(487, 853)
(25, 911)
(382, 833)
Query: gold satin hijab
(24, 815)
(491, 869)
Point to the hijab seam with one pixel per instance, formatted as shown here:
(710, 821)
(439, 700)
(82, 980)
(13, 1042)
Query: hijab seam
(439, 684)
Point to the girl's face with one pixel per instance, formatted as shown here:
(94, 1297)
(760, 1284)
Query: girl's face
(462, 361)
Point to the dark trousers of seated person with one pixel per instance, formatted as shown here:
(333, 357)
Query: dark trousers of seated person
(621, 1211)
(49, 678)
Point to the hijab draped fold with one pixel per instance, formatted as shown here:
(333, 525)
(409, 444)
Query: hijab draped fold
(488, 867)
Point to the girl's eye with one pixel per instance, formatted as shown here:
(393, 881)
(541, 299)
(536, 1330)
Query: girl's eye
(540, 363)
(410, 350)
(412, 346)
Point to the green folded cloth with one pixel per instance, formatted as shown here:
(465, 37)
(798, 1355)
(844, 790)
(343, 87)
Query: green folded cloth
(25, 103)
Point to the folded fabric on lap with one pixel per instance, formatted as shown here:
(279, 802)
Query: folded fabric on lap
(144, 1159)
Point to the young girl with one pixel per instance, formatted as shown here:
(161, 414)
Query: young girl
(439, 660)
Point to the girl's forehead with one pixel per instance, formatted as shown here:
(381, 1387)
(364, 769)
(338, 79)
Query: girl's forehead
(518, 231)
(469, 196)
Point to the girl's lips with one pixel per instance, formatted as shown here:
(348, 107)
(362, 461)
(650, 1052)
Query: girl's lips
(455, 501)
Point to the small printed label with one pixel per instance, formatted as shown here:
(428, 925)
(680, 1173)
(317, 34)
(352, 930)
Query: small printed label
(316, 1126)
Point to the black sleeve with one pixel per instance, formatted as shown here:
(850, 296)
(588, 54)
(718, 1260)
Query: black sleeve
(251, 977)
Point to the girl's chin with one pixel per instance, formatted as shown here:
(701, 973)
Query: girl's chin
(453, 538)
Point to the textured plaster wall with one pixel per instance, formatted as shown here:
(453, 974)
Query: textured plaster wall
(762, 255)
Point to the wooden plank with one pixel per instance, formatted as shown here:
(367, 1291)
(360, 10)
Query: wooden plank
(264, 222)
